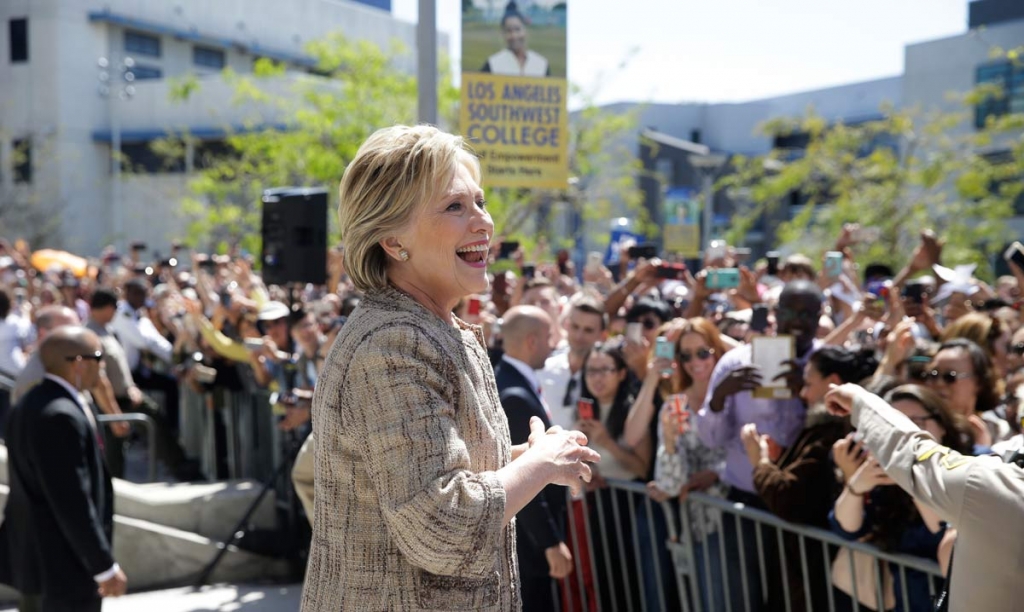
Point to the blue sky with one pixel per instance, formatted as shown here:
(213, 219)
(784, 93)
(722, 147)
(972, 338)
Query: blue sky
(732, 50)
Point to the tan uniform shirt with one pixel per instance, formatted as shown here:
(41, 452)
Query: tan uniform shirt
(981, 496)
(115, 360)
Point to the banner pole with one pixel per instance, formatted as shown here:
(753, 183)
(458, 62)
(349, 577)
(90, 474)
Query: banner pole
(426, 61)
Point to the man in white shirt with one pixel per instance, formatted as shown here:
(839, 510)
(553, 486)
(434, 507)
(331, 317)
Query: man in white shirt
(139, 337)
(561, 378)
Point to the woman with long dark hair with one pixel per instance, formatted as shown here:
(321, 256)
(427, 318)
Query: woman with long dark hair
(606, 385)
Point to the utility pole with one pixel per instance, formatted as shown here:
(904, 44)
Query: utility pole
(426, 59)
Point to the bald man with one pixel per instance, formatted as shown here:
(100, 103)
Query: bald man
(56, 538)
(540, 530)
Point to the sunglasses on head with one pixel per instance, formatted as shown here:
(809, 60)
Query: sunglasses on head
(948, 378)
(97, 356)
(702, 354)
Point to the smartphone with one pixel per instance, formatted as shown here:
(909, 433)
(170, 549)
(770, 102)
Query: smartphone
(773, 263)
(1015, 255)
(507, 248)
(529, 271)
(644, 251)
(670, 271)
(759, 318)
(663, 348)
(833, 264)
(723, 278)
(594, 262)
(635, 332)
(866, 234)
(225, 299)
(914, 292)
(563, 262)
(253, 344)
(473, 306)
(717, 249)
(585, 408)
(741, 254)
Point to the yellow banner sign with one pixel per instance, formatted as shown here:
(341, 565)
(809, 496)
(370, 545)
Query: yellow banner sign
(519, 128)
(683, 240)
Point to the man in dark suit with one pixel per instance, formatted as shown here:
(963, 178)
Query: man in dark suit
(55, 542)
(540, 532)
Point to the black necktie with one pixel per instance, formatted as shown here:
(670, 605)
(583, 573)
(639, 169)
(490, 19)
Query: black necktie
(567, 400)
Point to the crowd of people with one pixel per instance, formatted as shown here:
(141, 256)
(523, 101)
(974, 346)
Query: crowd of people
(660, 372)
(168, 325)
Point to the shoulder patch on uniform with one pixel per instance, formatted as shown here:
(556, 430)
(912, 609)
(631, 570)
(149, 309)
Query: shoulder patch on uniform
(950, 458)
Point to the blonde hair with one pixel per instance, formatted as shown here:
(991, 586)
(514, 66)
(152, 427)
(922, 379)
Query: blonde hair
(395, 171)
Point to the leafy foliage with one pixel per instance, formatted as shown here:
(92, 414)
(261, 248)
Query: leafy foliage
(307, 135)
(901, 173)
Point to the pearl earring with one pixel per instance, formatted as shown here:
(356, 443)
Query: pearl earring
(403, 255)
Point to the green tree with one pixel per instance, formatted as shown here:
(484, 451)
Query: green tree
(904, 172)
(303, 136)
(323, 120)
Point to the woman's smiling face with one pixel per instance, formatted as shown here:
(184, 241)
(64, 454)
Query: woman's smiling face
(603, 377)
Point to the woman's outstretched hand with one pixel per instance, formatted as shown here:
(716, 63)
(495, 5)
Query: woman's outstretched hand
(564, 452)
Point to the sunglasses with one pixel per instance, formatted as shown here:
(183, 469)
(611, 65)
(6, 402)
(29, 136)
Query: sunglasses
(1017, 349)
(948, 378)
(702, 354)
(650, 323)
(97, 357)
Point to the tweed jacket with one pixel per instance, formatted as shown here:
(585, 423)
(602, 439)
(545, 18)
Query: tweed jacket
(408, 510)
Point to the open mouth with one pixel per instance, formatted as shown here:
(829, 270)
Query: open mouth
(474, 254)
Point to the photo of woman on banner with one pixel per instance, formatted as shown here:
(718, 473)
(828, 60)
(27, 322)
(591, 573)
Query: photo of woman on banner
(516, 59)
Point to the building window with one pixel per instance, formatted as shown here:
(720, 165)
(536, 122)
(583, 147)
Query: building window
(207, 57)
(141, 158)
(22, 160)
(146, 72)
(142, 44)
(18, 35)
(1009, 77)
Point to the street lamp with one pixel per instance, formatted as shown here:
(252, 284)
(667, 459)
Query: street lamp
(709, 166)
(121, 83)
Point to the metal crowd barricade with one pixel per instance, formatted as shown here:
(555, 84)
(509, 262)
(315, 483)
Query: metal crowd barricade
(619, 551)
(771, 554)
(238, 427)
(639, 556)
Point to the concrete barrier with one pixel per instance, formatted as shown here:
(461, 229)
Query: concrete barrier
(209, 509)
(154, 555)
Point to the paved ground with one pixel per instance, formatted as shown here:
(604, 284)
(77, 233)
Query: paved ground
(219, 598)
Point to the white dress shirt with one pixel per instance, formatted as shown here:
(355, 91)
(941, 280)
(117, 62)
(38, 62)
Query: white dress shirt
(554, 380)
(136, 334)
(83, 404)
